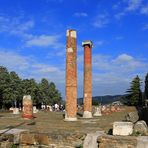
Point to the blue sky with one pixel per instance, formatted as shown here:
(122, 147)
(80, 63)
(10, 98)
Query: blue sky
(33, 37)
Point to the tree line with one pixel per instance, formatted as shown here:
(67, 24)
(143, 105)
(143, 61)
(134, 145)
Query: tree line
(134, 94)
(13, 88)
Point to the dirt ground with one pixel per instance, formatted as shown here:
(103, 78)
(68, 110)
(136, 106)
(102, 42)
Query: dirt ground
(49, 122)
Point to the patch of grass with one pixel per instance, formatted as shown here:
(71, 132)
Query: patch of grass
(138, 134)
(13, 146)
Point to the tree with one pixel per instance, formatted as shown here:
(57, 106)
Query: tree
(54, 94)
(4, 86)
(146, 86)
(12, 89)
(50, 95)
(44, 89)
(15, 88)
(134, 96)
(30, 87)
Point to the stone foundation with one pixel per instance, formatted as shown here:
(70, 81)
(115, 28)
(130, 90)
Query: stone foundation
(69, 118)
(36, 140)
(70, 140)
(87, 114)
(109, 141)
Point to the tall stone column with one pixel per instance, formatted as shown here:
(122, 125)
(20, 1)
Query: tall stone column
(87, 79)
(71, 76)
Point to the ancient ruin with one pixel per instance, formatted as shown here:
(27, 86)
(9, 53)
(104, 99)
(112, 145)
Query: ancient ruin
(27, 107)
(87, 79)
(71, 76)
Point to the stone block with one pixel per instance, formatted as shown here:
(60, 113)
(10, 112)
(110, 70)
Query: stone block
(132, 117)
(16, 111)
(141, 127)
(142, 142)
(91, 139)
(122, 128)
(27, 138)
(42, 139)
(97, 111)
(109, 141)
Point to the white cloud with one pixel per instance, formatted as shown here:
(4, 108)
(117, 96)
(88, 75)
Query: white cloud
(43, 40)
(133, 5)
(119, 37)
(128, 63)
(101, 62)
(124, 58)
(116, 6)
(99, 43)
(145, 27)
(21, 28)
(80, 14)
(112, 75)
(101, 21)
(15, 26)
(123, 63)
(43, 68)
(144, 10)
(28, 67)
(13, 60)
(119, 15)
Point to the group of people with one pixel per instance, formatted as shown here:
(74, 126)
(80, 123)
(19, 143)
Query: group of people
(55, 107)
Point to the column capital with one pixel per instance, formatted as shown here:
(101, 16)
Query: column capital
(88, 43)
(71, 33)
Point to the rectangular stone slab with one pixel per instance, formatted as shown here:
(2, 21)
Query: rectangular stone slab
(122, 128)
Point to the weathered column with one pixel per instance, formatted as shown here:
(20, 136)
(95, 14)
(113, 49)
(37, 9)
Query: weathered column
(87, 79)
(27, 107)
(71, 76)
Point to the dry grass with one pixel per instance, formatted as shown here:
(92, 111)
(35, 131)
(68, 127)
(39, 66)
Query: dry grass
(49, 122)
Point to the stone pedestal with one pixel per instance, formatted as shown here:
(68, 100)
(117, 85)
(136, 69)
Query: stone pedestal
(87, 79)
(35, 110)
(16, 111)
(27, 107)
(98, 112)
(71, 76)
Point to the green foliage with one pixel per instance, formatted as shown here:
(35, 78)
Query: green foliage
(146, 86)
(54, 94)
(134, 96)
(12, 89)
(4, 85)
(137, 133)
(14, 146)
(50, 95)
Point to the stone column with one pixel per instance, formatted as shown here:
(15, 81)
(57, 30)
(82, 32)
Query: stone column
(27, 107)
(87, 79)
(71, 76)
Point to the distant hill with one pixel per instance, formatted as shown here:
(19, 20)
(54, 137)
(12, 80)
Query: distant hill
(103, 99)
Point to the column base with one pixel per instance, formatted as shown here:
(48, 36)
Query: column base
(27, 116)
(69, 118)
(87, 114)
(97, 114)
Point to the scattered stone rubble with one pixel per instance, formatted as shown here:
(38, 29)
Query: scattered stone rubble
(132, 117)
(26, 139)
(141, 127)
